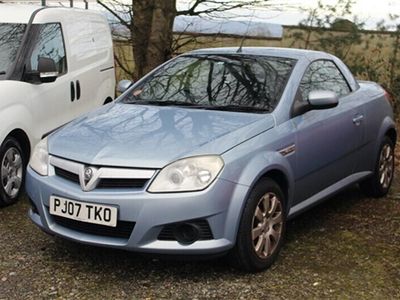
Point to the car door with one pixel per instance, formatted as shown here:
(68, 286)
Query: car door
(51, 102)
(326, 140)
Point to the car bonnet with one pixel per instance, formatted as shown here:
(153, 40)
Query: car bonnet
(140, 136)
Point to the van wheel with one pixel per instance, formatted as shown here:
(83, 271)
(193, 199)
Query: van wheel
(12, 171)
(262, 228)
(379, 183)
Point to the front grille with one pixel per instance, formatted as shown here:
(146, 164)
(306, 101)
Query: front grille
(105, 183)
(67, 175)
(121, 183)
(122, 230)
(167, 233)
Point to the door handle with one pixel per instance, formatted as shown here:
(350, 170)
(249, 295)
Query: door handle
(358, 119)
(78, 90)
(72, 91)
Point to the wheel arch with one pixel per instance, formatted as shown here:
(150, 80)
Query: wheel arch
(281, 179)
(269, 164)
(276, 167)
(387, 128)
(21, 136)
(108, 100)
(392, 134)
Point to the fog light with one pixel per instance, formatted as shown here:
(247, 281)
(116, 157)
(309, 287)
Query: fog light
(187, 233)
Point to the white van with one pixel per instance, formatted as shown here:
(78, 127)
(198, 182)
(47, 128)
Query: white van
(55, 64)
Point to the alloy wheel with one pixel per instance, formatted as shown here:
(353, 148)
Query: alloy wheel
(267, 225)
(386, 160)
(12, 172)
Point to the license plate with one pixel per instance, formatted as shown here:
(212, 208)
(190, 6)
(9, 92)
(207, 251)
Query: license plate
(83, 211)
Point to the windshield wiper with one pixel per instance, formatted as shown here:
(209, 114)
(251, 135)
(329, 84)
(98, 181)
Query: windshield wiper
(238, 108)
(166, 103)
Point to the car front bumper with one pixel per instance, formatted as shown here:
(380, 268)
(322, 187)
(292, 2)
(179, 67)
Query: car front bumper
(220, 205)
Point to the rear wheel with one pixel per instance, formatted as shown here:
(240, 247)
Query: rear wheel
(261, 229)
(12, 171)
(379, 183)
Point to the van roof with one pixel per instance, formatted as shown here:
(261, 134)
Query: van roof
(11, 13)
(17, 13)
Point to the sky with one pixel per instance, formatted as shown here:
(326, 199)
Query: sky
(368, 11)
(289, 12)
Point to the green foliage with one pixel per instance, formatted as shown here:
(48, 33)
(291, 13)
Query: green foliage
(328, 28)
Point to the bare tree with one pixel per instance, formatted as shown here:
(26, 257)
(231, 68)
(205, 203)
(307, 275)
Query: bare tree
(150, 23)
(326, 28)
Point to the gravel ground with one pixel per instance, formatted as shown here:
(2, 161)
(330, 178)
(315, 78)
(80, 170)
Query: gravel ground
(348, 247)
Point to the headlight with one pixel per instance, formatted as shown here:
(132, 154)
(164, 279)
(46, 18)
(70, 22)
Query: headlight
(186, 175)
(40, 158)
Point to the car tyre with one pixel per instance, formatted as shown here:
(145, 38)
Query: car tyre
(379, 183)
(261, 229)
(12, 171)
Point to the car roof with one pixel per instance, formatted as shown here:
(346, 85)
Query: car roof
(21, 13)
(267, 51)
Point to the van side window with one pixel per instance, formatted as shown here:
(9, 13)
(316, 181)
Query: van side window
(50, 44)
(323, 75)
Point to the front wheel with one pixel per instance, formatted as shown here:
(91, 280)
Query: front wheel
(379, 183)
(261, 229)
(12, 171)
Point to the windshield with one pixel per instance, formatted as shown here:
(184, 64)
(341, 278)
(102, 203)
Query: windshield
(222, 82)
(10, 39)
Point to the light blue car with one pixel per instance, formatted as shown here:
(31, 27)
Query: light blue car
(212, 153)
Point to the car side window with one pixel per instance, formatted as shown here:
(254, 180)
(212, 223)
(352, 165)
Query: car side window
(324, 75)
(50, 44)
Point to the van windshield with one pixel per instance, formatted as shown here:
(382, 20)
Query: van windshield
(10, 40)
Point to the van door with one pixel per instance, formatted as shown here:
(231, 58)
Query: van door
(91, 60)
(51, 102)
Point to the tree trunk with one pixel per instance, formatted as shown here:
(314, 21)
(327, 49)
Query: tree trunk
(151, 33)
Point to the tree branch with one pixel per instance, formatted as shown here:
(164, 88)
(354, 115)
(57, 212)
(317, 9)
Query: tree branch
(215, 6)
(115, 14)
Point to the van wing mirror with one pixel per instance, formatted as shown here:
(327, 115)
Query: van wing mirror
(47, 69)
(124, 85)
(319, 99)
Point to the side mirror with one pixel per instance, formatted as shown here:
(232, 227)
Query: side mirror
(322, 99)
(47, 69)
(124, 85)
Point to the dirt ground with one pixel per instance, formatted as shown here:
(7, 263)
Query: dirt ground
(347, 247)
